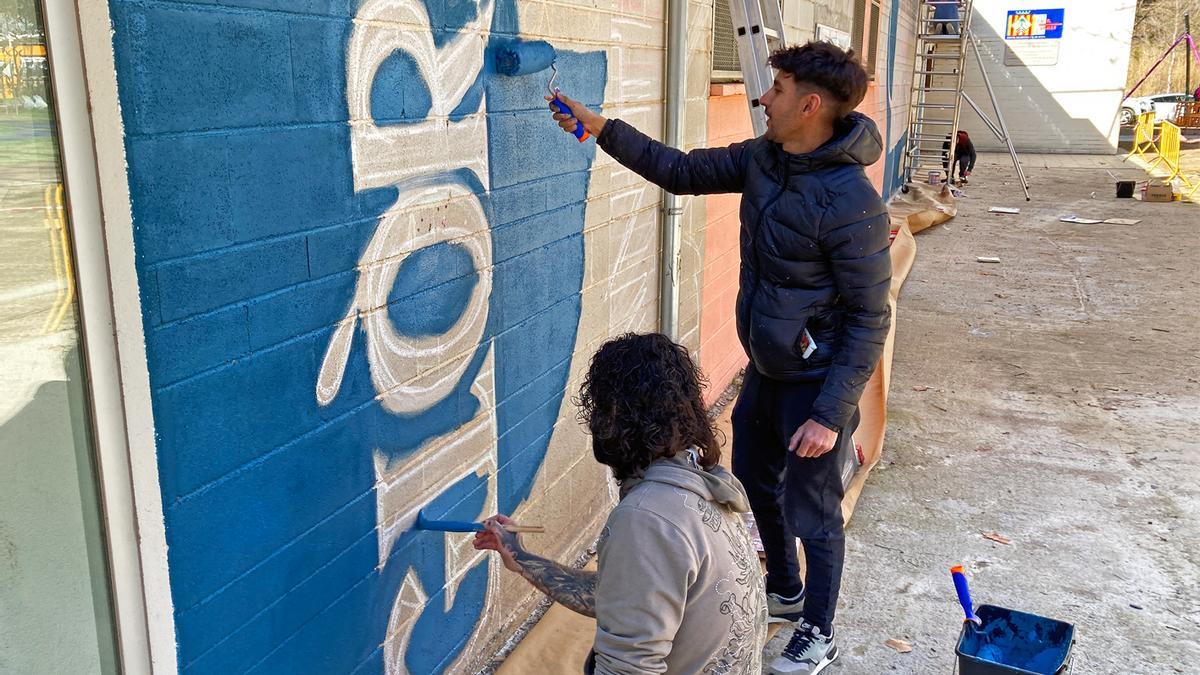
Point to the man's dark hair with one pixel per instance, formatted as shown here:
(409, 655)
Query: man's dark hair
(641, 400)
(828, 67)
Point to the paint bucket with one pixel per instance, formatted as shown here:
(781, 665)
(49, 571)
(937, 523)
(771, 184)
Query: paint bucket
(1125, 189)
(935, 177)
(1009, 642)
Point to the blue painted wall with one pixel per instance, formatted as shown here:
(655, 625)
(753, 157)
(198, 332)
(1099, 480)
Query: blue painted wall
(893, 178)
(248, 234)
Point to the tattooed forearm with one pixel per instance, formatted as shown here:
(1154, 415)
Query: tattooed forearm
(573, 589)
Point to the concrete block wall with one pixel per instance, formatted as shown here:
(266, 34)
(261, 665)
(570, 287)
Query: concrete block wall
(889, 92)
(721, 354)
(892, 89)
(1069, 107)
(800, 18)
(371, 272)
(695, 132)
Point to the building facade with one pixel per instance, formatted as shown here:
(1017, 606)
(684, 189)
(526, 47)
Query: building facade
(1058, 74)
(291, 272)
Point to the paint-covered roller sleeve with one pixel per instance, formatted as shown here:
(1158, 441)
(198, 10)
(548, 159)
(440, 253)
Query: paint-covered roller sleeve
(424, 523)
(521, 57)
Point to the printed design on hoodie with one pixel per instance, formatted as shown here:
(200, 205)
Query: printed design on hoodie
(709, 513)
(604, 534)
(744, 596)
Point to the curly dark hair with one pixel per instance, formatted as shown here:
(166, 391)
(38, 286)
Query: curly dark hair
(641, 400)
(828, 67)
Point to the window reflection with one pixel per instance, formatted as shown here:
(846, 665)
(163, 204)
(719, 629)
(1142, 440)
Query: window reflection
(55, 600)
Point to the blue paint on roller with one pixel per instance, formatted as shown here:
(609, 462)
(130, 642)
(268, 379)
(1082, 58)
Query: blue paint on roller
(424, 523)
(523, 57)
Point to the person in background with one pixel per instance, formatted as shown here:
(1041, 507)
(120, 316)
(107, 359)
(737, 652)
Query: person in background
(964, 157)
(677, 587)
(946, 18)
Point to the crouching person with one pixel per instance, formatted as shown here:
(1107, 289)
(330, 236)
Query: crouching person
(678, 587)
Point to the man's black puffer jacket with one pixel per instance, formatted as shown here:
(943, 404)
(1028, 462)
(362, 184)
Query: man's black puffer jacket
(814, 247)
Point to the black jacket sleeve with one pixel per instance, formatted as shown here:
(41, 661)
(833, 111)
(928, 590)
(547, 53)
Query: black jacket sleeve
(703, 171)
(854, 236)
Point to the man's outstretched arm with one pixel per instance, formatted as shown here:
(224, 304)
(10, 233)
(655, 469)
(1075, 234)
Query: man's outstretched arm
(571, 588)
(702, 171)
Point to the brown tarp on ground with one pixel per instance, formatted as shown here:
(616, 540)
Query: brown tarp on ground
(922, 207)
(560, 642)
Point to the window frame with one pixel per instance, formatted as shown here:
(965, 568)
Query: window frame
(91, 146)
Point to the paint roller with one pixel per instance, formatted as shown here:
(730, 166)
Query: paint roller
(424, 523)
(524, 57)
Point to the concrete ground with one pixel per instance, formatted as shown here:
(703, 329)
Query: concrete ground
(1051, 399)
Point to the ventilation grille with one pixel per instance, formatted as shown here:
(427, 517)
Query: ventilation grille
(872, 41)
(860, 22)
(726, 65)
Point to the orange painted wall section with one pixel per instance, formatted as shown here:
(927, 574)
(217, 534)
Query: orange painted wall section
(721, 355)
(874, 107)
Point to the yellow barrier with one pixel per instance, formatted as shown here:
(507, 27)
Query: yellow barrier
(1165, 145)
(1143, 137)
(1168, 148)
(60, 252)
(1168, 156)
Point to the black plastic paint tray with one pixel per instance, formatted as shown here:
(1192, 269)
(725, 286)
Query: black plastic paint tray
(1009, 642)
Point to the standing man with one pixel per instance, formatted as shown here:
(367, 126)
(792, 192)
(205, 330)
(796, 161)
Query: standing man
(812, 311)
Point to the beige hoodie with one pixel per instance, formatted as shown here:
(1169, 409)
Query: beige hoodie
(679, 587)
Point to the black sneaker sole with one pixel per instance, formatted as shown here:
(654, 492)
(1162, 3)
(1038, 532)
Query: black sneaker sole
(785, 618)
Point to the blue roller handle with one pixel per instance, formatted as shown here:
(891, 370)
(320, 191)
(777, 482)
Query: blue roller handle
(964, 593)
(579, 132)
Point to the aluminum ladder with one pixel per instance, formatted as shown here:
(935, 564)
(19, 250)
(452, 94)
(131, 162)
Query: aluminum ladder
(758, 29)
(935, 103)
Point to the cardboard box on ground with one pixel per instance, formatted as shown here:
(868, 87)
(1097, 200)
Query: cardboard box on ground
(1158, 192)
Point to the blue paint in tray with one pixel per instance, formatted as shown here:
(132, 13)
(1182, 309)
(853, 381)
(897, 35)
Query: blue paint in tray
(1014, 643)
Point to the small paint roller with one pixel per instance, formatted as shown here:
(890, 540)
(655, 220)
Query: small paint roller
(424, 523)
(964, 594)
(523, 57)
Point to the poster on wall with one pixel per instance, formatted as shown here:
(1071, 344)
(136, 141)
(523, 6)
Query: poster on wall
(1032, 37)
(1034, 24)
(833, 36)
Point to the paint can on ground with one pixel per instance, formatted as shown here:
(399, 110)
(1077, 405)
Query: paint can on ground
(1009, 642)
(935, 177)
(1125, 189)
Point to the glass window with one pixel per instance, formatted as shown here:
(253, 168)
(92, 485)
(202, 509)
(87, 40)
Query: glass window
(55, 610)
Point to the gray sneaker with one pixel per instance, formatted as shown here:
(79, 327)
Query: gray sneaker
(808, 652)
(784, 610)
